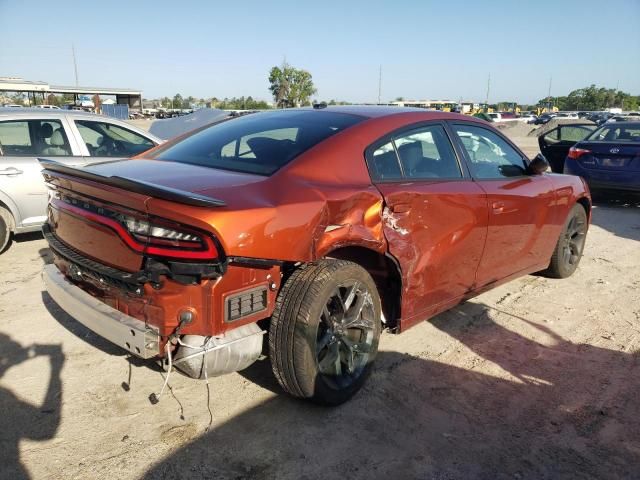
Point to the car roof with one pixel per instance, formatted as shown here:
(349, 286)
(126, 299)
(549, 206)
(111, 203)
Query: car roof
(621, 124)
(380, 111)
(51, 112)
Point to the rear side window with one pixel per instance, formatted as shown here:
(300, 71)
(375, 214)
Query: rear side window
(258, 143)
(108, 140)
(31, 138)
(617, 133)
(421, 154)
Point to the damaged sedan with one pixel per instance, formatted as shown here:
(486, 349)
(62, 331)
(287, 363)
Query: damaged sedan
(304, 231)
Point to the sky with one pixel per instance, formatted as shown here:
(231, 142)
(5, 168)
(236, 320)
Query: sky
(427, 49)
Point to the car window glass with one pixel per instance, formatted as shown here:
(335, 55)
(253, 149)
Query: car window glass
(624, 133)
(427, 153)
(245, 151)
(383, 163)
(108, 140)
(258, 143)
(490, 155)
(574, 133)
(34, 137)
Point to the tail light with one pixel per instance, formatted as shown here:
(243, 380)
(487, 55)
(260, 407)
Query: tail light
(147, 236)
(576, 153)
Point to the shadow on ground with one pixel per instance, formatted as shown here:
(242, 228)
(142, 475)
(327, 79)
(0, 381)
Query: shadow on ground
(564, 411)
(619, 214)
(22, 420)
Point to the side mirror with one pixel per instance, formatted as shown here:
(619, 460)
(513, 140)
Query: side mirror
(538, 165)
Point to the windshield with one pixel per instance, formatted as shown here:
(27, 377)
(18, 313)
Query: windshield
(616, 133)
(258, 143)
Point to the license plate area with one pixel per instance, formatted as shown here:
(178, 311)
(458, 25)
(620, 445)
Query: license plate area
(613, 162)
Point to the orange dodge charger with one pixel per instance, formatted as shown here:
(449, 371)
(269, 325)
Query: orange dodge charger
(318, 227)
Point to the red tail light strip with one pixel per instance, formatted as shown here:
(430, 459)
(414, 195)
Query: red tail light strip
(576, 153)
(208, 253)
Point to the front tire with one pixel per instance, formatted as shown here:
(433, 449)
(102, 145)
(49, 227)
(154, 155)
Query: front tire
(325, 330)
(568, 251)
(5, 229)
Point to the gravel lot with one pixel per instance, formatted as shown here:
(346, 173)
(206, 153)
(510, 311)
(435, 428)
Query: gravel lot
(536, 379)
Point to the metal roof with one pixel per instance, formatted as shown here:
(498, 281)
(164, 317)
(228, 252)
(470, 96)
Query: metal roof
(9, 84)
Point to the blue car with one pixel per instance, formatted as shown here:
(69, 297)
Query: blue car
(608, 158)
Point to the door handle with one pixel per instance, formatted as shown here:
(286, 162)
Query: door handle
(10, 171)
(497, 207)
(400, 208)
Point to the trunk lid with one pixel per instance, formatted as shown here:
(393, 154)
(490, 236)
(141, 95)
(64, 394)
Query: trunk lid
(611, 156)
(88, 204)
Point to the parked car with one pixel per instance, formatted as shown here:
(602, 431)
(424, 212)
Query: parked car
(321, 226)
(72, 138)
(48, 107)
(544, 118)
(528, 118)
(600, 117)
(609, 158)
(555, 144)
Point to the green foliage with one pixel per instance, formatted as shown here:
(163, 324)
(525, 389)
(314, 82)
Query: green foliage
(593, 98)
(291, 87)
(240, 103)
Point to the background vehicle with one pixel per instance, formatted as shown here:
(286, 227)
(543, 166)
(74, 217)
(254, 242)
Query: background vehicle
(48, 107)
(527, 117)
(320, 225)
(544, 118)
(72, 138)
(555, 144)
(609, 158)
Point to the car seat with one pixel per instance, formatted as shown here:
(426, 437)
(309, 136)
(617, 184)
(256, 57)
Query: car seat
(385, 166)
(414, 162)
(43, 132)
(58, 144)
(271, 151)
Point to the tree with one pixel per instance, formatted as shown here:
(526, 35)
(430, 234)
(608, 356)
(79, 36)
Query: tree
(177, 101)
(593, 98)
(290, 87)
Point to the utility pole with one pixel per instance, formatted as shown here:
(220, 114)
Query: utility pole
(75, 65)
(380, 86)
(549, 95)
(486, 99)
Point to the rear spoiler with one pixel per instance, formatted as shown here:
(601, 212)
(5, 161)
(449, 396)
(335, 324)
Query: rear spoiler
(137, 186)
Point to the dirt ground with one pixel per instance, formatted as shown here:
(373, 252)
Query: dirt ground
(537, 379)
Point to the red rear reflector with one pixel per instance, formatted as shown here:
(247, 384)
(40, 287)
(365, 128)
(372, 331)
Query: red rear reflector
(576, 153)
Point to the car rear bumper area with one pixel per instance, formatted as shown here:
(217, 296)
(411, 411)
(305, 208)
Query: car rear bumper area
(127, 332)
(606, 179)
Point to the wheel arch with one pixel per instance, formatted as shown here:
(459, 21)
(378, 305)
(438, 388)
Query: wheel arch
(12, 213)
(586, 204)
(385, 273)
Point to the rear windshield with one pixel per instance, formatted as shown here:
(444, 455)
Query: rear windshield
(616, 132)
(259, 143)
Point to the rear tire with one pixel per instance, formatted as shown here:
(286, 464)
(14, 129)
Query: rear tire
(568, 251)
(324, 331)
(5, 229)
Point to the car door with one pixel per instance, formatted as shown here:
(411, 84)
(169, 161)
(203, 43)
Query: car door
(103, 140)
(555, 144)
(22, 141)
(522, 208)
(434, 217)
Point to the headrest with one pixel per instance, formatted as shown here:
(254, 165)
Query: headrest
(46, 130)
(57, 139)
